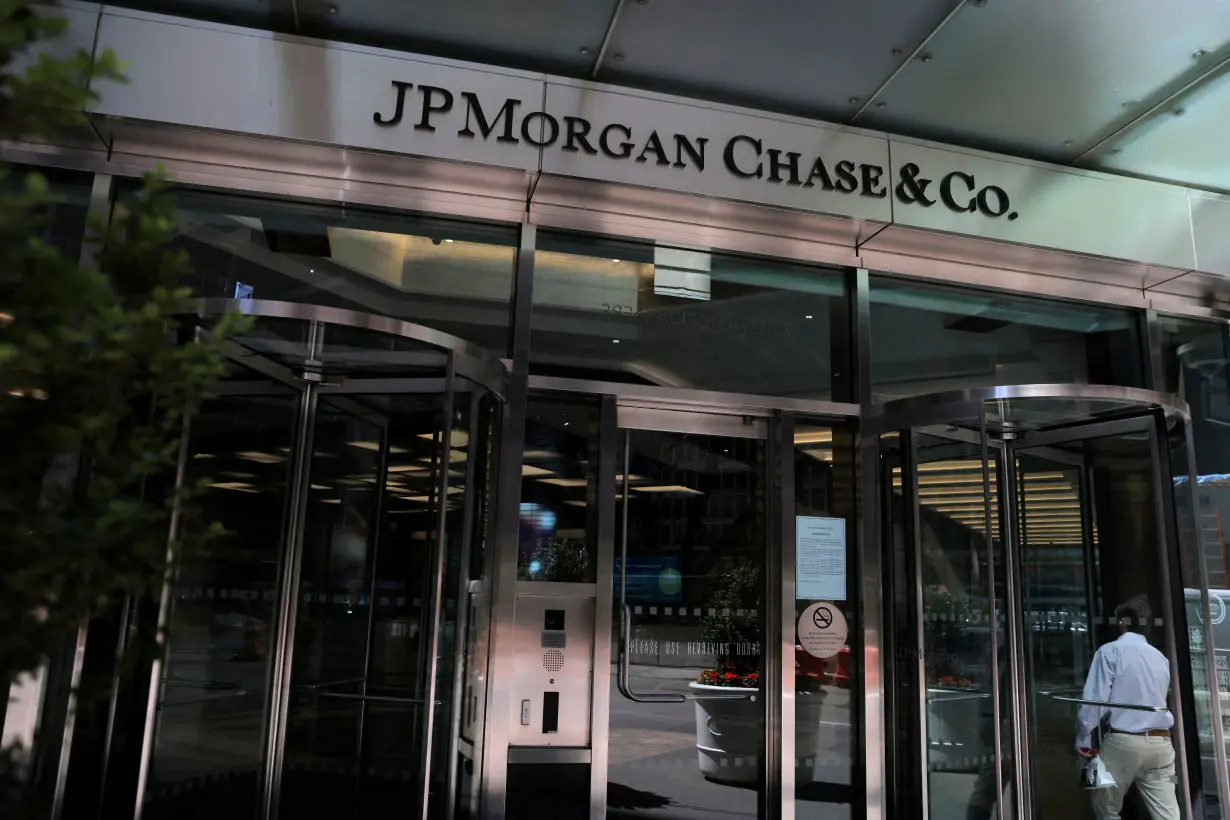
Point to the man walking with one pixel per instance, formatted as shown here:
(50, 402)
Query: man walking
(1135, 743)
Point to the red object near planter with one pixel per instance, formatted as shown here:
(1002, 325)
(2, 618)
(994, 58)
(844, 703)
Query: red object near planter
(838, 675)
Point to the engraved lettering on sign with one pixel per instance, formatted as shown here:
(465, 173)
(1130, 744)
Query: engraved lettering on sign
(744, 156)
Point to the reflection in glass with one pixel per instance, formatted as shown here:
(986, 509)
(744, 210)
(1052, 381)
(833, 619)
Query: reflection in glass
(209, 736)
(928, 338)
(683, 318)
(556, 540)
(451, 276)
(955, 573)
(695, 538)
(826, 689)
(1194, 356)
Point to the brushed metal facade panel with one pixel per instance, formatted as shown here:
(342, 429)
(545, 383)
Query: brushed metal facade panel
(645, 115)
(252, 82)
(1055, 208)
(224, 79)
(1211, 232)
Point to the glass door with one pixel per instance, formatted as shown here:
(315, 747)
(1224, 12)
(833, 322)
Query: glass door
(1094, 564)
(317, 656)
(1035, 561)
(687, 725)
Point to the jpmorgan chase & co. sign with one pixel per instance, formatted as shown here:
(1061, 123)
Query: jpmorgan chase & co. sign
(576, 136)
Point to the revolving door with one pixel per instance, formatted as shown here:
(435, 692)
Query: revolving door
(321, 656)
(1014, 521)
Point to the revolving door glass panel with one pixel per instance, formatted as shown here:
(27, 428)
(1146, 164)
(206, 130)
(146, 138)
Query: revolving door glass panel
(1019, 528)
(358, 461)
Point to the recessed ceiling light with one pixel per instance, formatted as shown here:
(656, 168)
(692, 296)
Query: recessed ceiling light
(807, 316)
(675, 489)
(565, 482)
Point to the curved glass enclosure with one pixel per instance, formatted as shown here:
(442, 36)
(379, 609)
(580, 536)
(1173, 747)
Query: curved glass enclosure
(1016, 520)
(314, 665)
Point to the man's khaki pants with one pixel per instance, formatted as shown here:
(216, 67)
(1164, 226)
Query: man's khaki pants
(1146, 761)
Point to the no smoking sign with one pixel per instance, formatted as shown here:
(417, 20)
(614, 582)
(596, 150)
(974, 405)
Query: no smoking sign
(822, 630)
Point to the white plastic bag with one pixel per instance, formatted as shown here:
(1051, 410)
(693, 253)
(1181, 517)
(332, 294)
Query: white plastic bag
(1095, 775)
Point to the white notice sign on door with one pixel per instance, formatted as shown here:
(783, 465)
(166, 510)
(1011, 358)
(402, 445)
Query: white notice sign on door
(819, 558)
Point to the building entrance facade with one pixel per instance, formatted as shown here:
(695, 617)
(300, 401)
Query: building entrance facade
(1017, 519)
(547, 493)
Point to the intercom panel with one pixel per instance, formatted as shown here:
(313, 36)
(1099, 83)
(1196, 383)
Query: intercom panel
(552, 671)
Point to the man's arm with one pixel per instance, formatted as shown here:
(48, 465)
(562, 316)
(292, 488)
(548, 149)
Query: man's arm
(1097, 687)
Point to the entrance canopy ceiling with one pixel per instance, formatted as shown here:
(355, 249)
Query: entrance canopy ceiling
(1138, 87)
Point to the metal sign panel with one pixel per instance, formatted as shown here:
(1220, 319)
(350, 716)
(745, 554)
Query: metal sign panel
(1029, 204)
(229, 79)
(641, 139)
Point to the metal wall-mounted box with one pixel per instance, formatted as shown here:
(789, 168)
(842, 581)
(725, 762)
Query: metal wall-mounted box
(553, 668)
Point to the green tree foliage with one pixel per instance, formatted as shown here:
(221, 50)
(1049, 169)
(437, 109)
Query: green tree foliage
(732, 627)
(96, 380)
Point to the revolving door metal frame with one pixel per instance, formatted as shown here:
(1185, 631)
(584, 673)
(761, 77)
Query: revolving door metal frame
(458, 361)
(1132, 411)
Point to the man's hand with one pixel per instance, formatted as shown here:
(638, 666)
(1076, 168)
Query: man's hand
(1085, 752)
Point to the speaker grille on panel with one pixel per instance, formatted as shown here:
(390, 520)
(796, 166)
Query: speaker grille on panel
(553, 660)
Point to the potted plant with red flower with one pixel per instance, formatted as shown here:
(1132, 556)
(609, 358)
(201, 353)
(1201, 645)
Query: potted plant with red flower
(726, 695)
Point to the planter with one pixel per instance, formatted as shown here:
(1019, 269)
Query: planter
(729, 728)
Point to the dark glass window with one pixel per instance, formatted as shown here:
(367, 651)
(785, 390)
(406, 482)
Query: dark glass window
(927, 338)
(684, 317)
(451, 276)
(69, 192)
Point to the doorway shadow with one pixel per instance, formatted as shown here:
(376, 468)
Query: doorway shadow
(625, 798)
(821, 792)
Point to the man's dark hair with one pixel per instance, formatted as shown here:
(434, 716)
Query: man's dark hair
(1135, 613)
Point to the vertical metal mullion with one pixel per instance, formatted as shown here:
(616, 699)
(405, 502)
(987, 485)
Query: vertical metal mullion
(913, 541)
(603, 500)
(872, 569)
(435, 597)
(476, 467)
(164, 611)
(989, 539)
(779, 678)
(1014, 627)
(289, 576)
(1093, 578)
(99, 208)
(1150, 339)
(377, 533)
(1172, 583)
(494, 786)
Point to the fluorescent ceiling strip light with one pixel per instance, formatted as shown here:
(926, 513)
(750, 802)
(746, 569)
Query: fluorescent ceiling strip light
(565, 482)
(668, 488)
(259, 457)
(240, 486)
(373, 446)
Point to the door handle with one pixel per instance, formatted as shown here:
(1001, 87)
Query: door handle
(621, 678)
(625, 620)
(1131, 706)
